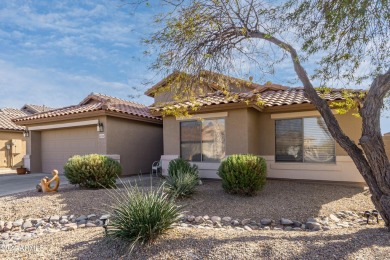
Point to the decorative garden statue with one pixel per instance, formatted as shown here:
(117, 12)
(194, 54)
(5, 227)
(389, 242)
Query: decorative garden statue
(45, 183)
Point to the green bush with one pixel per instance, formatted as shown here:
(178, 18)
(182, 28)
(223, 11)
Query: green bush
(243, 174)
(181, 184)
(179, 165)
(92, 171)
(141, 216)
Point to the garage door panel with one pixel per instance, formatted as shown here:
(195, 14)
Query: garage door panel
(61, 144)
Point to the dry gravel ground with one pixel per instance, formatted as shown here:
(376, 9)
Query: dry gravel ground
(354, 243)
(293, 200)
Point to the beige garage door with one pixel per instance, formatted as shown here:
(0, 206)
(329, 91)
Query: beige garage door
(61, 144)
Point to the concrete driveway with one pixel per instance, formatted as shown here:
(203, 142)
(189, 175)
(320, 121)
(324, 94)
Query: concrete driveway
(13, 183)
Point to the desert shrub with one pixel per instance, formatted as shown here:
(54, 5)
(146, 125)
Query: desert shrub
(179, 166)
(182, 184)
(92, 171)
(243, 174)
(140, 216)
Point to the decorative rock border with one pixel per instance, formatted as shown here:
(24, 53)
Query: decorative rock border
(342, 219)
(24, 229)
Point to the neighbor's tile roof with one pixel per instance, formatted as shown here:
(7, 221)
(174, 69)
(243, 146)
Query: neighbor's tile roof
(271, 98)
(6, 116)
(95, 102)
(9, 110)
(32, 109)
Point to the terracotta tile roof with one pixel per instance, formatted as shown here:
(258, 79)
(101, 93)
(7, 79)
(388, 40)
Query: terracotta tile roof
(6, 116)
(95, 102)
(9, 110)
(33, 109)
(271, 98)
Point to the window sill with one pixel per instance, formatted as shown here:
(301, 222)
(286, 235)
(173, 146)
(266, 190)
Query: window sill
(207, 165)
(305, 166)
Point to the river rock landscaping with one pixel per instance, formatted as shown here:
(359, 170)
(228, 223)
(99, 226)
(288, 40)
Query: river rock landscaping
(21, 230)
(71, 224)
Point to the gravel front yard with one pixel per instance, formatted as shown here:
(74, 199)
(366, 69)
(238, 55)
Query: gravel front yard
(287, 199)
(355, 243)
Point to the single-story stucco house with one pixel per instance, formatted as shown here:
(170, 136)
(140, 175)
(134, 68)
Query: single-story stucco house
(101, 124)
(285, 129)
(12, 140)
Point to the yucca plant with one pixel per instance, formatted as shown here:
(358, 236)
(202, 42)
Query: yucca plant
(243, 174)
(179, 165)
(182, 184)
(140, 216)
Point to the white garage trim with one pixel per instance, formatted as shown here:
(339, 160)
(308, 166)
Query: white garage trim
(64, 125)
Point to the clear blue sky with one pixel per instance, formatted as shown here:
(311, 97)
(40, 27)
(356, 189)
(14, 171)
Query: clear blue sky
(57, 52)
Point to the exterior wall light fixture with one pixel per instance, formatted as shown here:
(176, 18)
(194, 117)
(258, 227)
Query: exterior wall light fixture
(26, 133)
(100, 127)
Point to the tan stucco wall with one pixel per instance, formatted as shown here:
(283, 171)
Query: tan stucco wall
(351, 126)
(137, 143)
(168, 95)
(15, 158)
(250, 131)
(237, 137)
(386, 140)
(171, 135)
(34, 151)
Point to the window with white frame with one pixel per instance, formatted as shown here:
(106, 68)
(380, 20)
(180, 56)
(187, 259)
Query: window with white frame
(203, 141)
(304, 140)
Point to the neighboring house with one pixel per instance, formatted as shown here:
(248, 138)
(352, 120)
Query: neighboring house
(121, 129)
(285, 129)
(12, 140)
(30, 109)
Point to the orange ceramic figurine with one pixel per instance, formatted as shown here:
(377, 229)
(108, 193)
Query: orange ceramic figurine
(45, 182)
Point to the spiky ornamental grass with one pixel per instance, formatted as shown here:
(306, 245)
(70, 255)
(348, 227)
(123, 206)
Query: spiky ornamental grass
(140, 216)
(179, 165)
(182, 184)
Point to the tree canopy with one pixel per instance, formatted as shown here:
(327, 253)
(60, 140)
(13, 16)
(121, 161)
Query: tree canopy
(347, 40)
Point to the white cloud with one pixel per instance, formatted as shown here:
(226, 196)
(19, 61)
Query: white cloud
(54, 88)
(85, 30)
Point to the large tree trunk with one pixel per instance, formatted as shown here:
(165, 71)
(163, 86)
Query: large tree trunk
(373, 164)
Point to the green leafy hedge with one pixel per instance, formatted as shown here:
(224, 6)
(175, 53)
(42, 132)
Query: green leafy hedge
(243, 174)
(92, 171)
